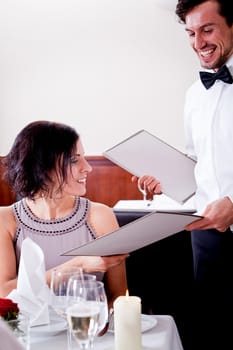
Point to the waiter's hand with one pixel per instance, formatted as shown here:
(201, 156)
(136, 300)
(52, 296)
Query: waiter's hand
(217, 215)
(148, 183)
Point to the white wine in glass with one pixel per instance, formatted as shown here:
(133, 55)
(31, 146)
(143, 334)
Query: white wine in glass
(87, 311)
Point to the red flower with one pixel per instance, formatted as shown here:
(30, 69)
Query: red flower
(8, 309)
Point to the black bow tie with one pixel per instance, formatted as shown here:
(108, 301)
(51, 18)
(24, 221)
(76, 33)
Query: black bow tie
(208, 79)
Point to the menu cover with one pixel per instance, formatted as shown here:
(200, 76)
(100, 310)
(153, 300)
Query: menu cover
(137, 234)
(146, 154)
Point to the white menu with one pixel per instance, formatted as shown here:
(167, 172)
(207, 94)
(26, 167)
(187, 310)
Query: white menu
(137, 234)
(146, 154)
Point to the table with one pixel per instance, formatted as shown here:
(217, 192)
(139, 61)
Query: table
(164, 336)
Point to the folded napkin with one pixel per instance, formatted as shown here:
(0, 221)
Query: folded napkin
(32, 292)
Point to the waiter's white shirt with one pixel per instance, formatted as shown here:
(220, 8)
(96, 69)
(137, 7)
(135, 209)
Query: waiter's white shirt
(208, 122)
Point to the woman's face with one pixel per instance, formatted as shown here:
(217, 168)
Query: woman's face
(77, 173)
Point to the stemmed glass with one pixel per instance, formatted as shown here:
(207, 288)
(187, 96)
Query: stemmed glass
(58, 287)
(87, 311)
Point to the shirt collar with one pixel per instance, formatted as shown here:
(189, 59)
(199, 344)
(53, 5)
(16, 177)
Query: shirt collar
(229, 64)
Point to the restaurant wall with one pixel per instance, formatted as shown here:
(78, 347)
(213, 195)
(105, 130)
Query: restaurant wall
(107, 67)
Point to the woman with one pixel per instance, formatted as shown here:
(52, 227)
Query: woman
(46, 167)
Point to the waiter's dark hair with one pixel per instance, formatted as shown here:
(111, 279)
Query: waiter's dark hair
(225, 9)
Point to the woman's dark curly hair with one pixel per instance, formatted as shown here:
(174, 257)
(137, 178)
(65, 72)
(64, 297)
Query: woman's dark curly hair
(41, 149)
(225, 9)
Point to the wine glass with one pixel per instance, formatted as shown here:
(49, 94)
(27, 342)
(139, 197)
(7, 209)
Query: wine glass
(58, 287)
(87, 311)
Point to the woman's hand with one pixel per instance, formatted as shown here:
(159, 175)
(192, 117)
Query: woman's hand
(102, 263)
(96, 263)
(91, 264)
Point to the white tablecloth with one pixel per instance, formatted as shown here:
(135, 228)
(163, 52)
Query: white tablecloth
(8, 340)
(164, 336)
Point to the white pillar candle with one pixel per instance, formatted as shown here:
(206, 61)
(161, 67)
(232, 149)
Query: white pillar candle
(127, 323)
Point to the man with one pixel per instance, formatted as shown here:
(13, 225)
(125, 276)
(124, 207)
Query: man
(208, 120)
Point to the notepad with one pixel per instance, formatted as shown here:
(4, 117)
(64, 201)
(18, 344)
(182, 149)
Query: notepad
(146, 230)
(144, 153)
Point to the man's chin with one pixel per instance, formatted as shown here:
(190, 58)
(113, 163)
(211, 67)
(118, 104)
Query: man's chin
(206, 65)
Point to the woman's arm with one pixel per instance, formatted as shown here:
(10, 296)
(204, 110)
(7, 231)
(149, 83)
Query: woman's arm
(8, 273)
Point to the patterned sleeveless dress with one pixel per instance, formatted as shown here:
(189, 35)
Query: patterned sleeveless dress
(53, 236)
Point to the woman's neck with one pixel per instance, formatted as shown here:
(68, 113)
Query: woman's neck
(47, 208)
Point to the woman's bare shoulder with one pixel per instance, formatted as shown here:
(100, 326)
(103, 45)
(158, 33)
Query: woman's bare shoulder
(7, 218)
(6, 210)
(100, 207)
(102, 218)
